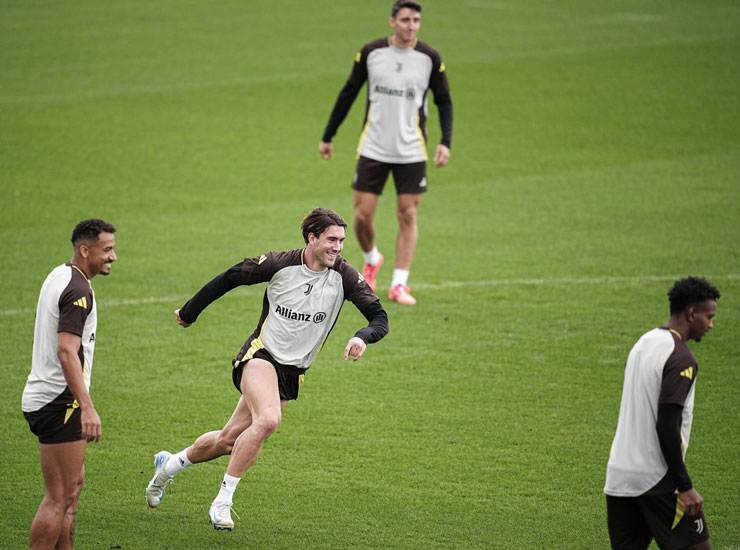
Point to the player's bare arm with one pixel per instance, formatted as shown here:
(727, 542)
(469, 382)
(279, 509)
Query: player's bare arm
(69, 343)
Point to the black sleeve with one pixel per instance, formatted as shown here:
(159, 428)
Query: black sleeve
(378, 326)
(212, 291)
(346, 98)
(669, 435)
(445, 121)
(442, 99)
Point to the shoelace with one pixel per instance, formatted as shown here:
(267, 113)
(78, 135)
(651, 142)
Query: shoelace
(231, 507)
(168, 483)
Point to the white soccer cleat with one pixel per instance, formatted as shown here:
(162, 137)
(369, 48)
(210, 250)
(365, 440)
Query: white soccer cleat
(220, 515)
(155, 489)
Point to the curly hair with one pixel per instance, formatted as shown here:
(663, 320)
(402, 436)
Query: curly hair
(88, 230)
(690, 291)
(318, 220)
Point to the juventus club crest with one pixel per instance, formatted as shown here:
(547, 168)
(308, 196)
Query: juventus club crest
(309, 287)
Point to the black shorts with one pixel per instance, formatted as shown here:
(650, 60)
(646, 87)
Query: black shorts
(634, 521)
(371, 175)
(56, 422)
(289, 377)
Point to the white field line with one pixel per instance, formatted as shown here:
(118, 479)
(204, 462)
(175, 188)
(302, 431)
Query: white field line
(554, 281)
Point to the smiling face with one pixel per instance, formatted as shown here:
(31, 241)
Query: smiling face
(322, 251)
(97, 256)
(405, 27)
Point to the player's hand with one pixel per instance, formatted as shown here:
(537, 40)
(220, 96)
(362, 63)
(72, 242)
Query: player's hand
(325, 150)
(92, 429)
(355, 348)
(441, 156)
(692, 502)
(179, 319)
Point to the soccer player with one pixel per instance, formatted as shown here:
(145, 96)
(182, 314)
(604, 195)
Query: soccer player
(56, 400)
(399, 71)
(649, 494)
(306, 288)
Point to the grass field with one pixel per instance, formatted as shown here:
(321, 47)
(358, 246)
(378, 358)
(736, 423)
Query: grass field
(596, 158)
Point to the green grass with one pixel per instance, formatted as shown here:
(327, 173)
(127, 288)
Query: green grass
(596, 157)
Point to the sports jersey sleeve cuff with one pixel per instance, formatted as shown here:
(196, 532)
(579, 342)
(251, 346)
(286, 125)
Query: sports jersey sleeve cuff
(69, 331)
(364, 334)
(183, 313)
(684, 484)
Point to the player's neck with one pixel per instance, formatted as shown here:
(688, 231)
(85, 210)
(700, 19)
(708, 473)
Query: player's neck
(310, 261)
(401, 44)
(81, 265)
(678, 327)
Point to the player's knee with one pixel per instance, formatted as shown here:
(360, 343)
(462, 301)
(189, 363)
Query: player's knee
(268, 423)
(60, 501)
(363, 217)
(407, 215)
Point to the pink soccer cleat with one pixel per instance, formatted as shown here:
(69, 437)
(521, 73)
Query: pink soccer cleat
(401, 295)
(370, 272)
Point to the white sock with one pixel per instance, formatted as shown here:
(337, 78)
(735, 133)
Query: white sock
(177, 463)
(228, 486)
(372, 257)
(400, 277)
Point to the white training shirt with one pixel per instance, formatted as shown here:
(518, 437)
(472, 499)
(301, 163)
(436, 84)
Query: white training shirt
(660, 369)
(66, 304)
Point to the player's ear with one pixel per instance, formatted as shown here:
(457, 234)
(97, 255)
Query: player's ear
(690, 313)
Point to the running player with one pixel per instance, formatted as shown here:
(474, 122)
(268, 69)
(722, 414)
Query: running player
(399, 71)
(56, 400)
(305, 291)
(649, 494)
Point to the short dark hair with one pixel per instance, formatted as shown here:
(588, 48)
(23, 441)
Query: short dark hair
(690, 291)
(398, 4)
(88, 230)
(318, 220)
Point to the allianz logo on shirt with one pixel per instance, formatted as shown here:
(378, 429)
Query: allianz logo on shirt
(297, 316)
(409, 93)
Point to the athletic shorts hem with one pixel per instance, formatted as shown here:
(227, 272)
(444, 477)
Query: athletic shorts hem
(289, 377)
(371, 176)
(56, 422)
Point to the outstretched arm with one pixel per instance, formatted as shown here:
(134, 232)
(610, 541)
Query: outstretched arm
(212, 291)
